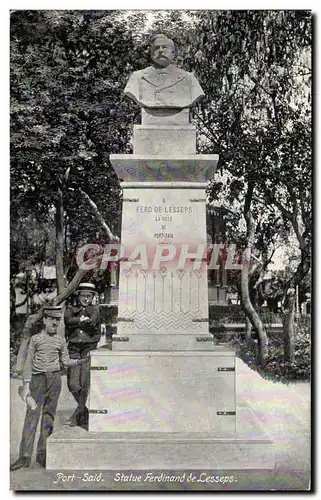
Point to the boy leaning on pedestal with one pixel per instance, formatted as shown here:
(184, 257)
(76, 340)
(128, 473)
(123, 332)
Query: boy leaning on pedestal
(82, 322)
(42, 383)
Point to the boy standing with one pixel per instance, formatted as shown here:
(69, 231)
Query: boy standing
(82, 322)
(42, 381)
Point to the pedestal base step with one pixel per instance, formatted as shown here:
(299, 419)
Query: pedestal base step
(75, 448)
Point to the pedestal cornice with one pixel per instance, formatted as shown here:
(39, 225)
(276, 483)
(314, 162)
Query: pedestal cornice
(159, 168)
(163, 185)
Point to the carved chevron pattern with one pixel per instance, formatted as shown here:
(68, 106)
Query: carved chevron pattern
(161, 287)
(158, 320)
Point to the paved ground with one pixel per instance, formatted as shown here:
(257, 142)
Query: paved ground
(284, 411)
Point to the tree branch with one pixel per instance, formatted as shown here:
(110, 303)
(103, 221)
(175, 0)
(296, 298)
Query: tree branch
(248, 201)
(72, 285)
(286, 213)
(206, 131)
(23, 302)
(99, 217)
(303, 212)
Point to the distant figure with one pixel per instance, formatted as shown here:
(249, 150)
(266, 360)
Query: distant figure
(41, 388)
(82, 322)
(163, 85)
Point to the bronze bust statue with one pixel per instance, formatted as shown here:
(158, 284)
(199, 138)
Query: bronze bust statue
(163, 85)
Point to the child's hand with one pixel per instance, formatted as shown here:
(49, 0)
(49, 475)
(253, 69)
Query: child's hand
(31, 402)
(23, 392)
(83, 360)
(84, 318)
(26, 397)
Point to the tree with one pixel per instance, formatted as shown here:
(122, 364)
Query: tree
(68, 70)
(251, 65)
(29, 249)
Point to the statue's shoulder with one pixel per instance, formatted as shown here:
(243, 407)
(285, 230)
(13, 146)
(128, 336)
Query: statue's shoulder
(141, 72)
(193, 81)
(182, 73)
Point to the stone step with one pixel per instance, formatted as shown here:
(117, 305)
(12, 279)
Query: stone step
(248, 448)
(77, 449)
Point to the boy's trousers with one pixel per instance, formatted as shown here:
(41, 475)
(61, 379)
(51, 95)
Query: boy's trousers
(45, 389)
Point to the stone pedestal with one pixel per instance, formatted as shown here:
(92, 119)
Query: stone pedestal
(163, 410)
(177, 139)
(163, 303)
(163, 391)
(164, 397)
(160, 297)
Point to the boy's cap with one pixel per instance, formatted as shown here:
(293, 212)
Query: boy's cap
(86, 287)
(53, 311)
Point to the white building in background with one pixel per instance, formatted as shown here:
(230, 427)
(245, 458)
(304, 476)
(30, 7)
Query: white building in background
(48, 275)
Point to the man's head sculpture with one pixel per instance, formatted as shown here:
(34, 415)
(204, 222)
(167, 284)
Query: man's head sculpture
(163, 85)
(162, 51)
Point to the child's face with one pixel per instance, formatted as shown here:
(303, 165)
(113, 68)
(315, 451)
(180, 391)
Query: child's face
(85, 298)
(51, 324)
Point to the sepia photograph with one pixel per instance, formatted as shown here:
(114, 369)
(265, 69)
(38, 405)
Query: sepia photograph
(160, 250)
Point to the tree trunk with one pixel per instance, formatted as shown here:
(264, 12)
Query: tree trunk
(289, 300)
(34, 320)
(251, 313)
(99, 217)
(59, 218)
(12, 299)
(249, 310)
(288, 327)
(32, 325)
(72, 285)
(248, 328)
